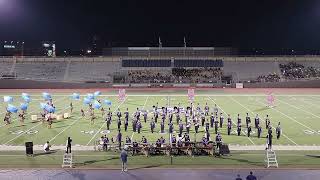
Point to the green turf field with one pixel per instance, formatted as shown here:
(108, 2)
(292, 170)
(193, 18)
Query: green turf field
(299, 115)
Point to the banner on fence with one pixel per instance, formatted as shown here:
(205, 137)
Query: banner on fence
(191, 94)
(122, 94)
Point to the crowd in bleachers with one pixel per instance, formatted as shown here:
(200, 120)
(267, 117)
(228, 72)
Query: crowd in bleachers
(293, 70)
(148, 76)
(273, 77)
(178, 75)
(198, 75)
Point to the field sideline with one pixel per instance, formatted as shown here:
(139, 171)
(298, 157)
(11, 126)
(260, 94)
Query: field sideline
(298, 113)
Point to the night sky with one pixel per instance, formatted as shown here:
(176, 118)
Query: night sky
(272, 24)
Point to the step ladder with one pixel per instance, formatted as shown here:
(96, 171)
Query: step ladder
(271, 159)
(67, 160)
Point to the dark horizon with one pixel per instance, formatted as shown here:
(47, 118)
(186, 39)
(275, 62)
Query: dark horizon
(263, 25)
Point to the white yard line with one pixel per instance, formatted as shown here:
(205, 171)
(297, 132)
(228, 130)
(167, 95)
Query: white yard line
(289, 117)
(232, 121)
(298, 108)
(103, 124)
(69, 126)
(254, 114)
(145, 103)
(28, 130)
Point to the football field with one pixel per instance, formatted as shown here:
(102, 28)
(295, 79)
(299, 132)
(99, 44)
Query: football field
(297, 110)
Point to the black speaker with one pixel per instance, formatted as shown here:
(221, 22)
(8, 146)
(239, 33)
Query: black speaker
(224, 149)
(29, 148)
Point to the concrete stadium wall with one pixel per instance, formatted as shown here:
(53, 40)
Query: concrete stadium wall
(30, 84)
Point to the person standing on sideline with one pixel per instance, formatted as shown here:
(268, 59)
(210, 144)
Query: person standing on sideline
(251, 176)
(238, 177)
(69, 141)
(124, 158)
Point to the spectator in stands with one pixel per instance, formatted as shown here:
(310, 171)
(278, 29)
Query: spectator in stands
(251, 176)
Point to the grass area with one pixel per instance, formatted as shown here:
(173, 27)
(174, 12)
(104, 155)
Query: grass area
(299, 117)
(90, 159)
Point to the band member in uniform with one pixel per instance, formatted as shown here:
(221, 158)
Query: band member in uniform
(196, 126)
(119, 114)
(126, 123)
(239, 119)
(156, 115)
(203, 119)
(267, 122)
(170, 128)
(278, 131)
(128, 140)
(229, 127)
(119, 138)
(206, 109)
(239, 128)
(22, 116)
(71, 107)
(134, 125)
(256, 121)
(248, 120)
(145, 116)
(215, 109)
(221, 120)
(259, 131)
(249, 130)
(82, 113)
(173, 140)
(119, 123)
(102, 112)
(188, 127)
(212, 120)
(152, 125)
(139, 126)
(108, 121)
(216, 126)
(180, 128)
(162, 127)
(219, 142)
(207, 125)
(178, 117)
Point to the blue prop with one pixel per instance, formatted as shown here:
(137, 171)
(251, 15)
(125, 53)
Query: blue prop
(50, 109)
(76, 96)
(12, 108)
(26, 99)
(23, 95)
(7, 99)
(96, 105)
(86, 101)
(46, 96)
(97, 93)
(90, 96)
(107, 102)
(24, 106)
(43, 105)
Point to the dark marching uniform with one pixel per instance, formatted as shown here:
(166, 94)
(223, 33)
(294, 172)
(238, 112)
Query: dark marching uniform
(259, 131)
(108, 122)
(170, 128)
(278, 131)
(139, 126)
(162, 127)
(212, 120)
(196, 126)
(239, 129)
(229, 127)
(216, 125)
(126, 123)
(180, 129)
(221, 120)
(256, 122)
(248, 120)
(249, 130)
(145, 116)
(152, 126)
(119, 123)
